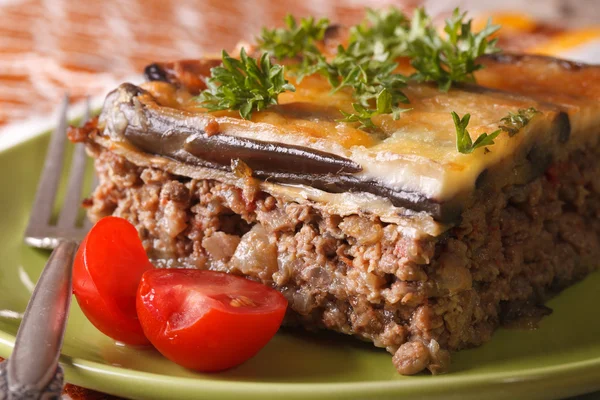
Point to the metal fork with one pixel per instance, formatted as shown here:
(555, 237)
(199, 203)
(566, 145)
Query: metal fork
(39, 232)
(32, 371)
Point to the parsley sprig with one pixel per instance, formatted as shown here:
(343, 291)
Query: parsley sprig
(449, 59)
(375, 87)
(295, 40)
(514, 122)
(367, 65)
(384, 104)
(382, 35)
(443, 59)
(246, 84)
(464, 143)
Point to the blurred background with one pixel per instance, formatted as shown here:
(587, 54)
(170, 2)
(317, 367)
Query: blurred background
(86, 47)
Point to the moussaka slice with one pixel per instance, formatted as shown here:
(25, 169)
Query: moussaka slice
(389, 234)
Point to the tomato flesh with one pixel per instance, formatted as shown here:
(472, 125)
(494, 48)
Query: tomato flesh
(106, 273)
(205, 320)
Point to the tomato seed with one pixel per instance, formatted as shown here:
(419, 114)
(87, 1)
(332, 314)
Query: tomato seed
(242, 301)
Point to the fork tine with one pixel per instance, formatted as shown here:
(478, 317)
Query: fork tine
(46, 191)
(71, 205)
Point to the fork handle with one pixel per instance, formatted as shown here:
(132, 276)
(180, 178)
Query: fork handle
(52, 391)
(33, 364)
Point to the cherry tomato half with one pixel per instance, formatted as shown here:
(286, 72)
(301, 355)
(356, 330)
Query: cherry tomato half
(106, 273)
(206, 320)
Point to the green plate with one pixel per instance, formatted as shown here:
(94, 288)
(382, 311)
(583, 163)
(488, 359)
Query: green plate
(560, 359)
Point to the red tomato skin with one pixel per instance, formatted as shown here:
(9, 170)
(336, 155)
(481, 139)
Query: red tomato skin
(107, 312)
(219, 340)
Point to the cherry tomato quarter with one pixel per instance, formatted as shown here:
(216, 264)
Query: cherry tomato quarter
(205, 320)
(106, 273)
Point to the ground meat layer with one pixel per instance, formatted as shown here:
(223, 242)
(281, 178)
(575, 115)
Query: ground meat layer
(419, 299)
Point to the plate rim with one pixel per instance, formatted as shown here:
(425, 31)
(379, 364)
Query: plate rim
(582, 376)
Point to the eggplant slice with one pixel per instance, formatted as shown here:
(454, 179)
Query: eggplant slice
(132, 115)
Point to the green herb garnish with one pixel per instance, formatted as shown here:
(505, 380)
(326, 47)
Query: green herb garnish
(382, 35)
(513, 123)
(464, 144)
(443, 59)
(449, 59)
(383, 105)
(367, 65)
(246, 84)
(375, 88)
(295, 40)
(374, 85)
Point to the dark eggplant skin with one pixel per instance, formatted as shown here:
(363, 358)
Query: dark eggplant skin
(563, 127)
(190, 74)
(161, 133)
(267, 156)
(155, 72)
(182, 139)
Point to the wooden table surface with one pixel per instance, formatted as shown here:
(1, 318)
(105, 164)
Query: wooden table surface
(88, 47)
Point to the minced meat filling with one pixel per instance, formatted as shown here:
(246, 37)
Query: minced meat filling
(419, 299)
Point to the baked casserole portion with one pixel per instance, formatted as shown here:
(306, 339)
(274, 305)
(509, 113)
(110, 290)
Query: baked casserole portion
(388, 234)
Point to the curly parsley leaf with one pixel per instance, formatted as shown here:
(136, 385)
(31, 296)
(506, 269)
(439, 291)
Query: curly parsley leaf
(513, 123)
(464, 144)
(294, 40)
(452, 58)
(443, 59)
(374, 86)
(312, 62)
(362, 115)
(383, 105)
(367, 77)
(382, 34)
(367, 65)
(352, 67)
(246, 84)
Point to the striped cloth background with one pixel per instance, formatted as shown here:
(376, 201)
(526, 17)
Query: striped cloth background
(49, 46)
